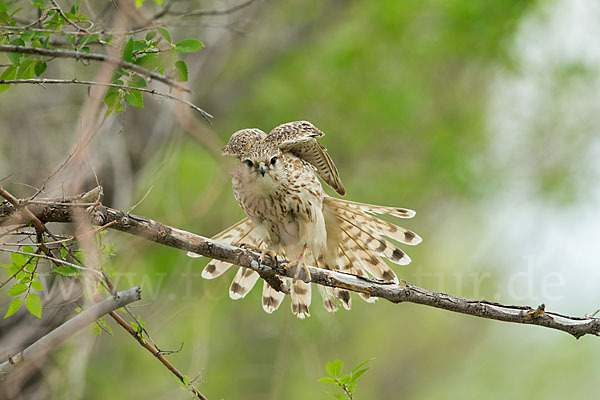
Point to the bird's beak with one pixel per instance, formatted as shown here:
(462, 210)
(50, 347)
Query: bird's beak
(262, 169)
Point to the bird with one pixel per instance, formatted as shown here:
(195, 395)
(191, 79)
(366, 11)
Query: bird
(289, 215)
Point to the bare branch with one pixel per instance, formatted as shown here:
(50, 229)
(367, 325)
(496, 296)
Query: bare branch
(69, 328)
(43, 81)
(78, 55)
(180, 239)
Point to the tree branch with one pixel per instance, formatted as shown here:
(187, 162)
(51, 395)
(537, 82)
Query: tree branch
(69, 328)
(155, 231)
(42, 81)
(64, 53)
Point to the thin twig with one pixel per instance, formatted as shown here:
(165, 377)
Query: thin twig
(43, 81)
(204, 13)
(78, 55)
(69, 21)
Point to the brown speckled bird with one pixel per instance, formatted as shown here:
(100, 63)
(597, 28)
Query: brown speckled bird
(290, 215)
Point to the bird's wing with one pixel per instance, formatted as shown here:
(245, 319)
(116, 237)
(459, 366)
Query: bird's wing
(300, 139)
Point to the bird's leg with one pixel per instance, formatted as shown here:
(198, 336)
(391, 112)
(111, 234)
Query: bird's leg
(263, 252)
(299, 263)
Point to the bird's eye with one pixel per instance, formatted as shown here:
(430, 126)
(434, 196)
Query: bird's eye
(249, 163)
(273, 160)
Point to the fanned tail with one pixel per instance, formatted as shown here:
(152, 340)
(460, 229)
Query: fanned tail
(362, 238)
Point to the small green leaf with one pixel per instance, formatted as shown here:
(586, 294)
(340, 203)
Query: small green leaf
(327, 379)
(18, 259)
(139, 45)
(38, 3)
(334, 368)
(167, 59)
(338, 396)
(8, 74)
(26, 69)
(13, 307)
(18, 289)
(181, 71)
(189, 46)
(96, 330)
(3, 7)
(357, 374)
(150, 35)
(345, 379)
(351, 386)
(164, 34)
(362, 364)
(135, 98)
(137, 81)
(128, 50)
(106, 326)
(66, 270)
(28, 249)
(37, 285)
(34, 304)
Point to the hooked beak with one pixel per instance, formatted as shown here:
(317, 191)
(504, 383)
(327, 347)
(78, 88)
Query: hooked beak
(262, 169)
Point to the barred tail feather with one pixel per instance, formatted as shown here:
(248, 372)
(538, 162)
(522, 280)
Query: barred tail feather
(244, 280)
(301, 298)
(271, 298)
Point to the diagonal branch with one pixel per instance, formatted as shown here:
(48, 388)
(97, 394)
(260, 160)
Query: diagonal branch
(78, 55)
(71, 327)
(155, 231)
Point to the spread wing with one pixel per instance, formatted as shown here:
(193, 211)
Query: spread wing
(300, 139)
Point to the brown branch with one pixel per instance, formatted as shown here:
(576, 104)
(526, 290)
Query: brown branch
(43, 81)
(157, 353)
(177, 238)
(64, 53)
(69, 328)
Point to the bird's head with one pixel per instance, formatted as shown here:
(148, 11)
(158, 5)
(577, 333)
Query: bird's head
(262, 165)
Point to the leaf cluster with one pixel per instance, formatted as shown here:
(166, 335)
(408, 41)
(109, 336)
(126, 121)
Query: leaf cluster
(346, 382)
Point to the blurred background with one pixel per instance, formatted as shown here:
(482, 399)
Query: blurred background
(482, 116)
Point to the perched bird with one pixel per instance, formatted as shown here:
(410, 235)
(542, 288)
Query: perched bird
(290, 215)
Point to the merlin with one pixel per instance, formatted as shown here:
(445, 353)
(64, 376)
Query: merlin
(290, 215)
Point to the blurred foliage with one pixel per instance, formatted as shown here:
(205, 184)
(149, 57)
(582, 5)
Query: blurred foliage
(401, 90)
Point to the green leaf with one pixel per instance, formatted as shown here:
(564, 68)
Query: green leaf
(362, 364)
(150, 35)
(40, 68)
(9, 73)
(18, 259)
(167, 59)
(96, 330)
(37, 285)
(139, 45)
(189, 46)
(148, 61)
(345, 379)
(3, 7)
(128, 50)
(26, 69)
(327, 379)
(164, 34)
(135, 98)
(13, 307)
(106, 325)
(138, 3)
(334, 368)
(38, 3)
(357, 374)
(351, 386)
(34, 304)
(66, 270)
(18, 289)
(338, 396)
(28, 249)
(181, 71)
(137, 81)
